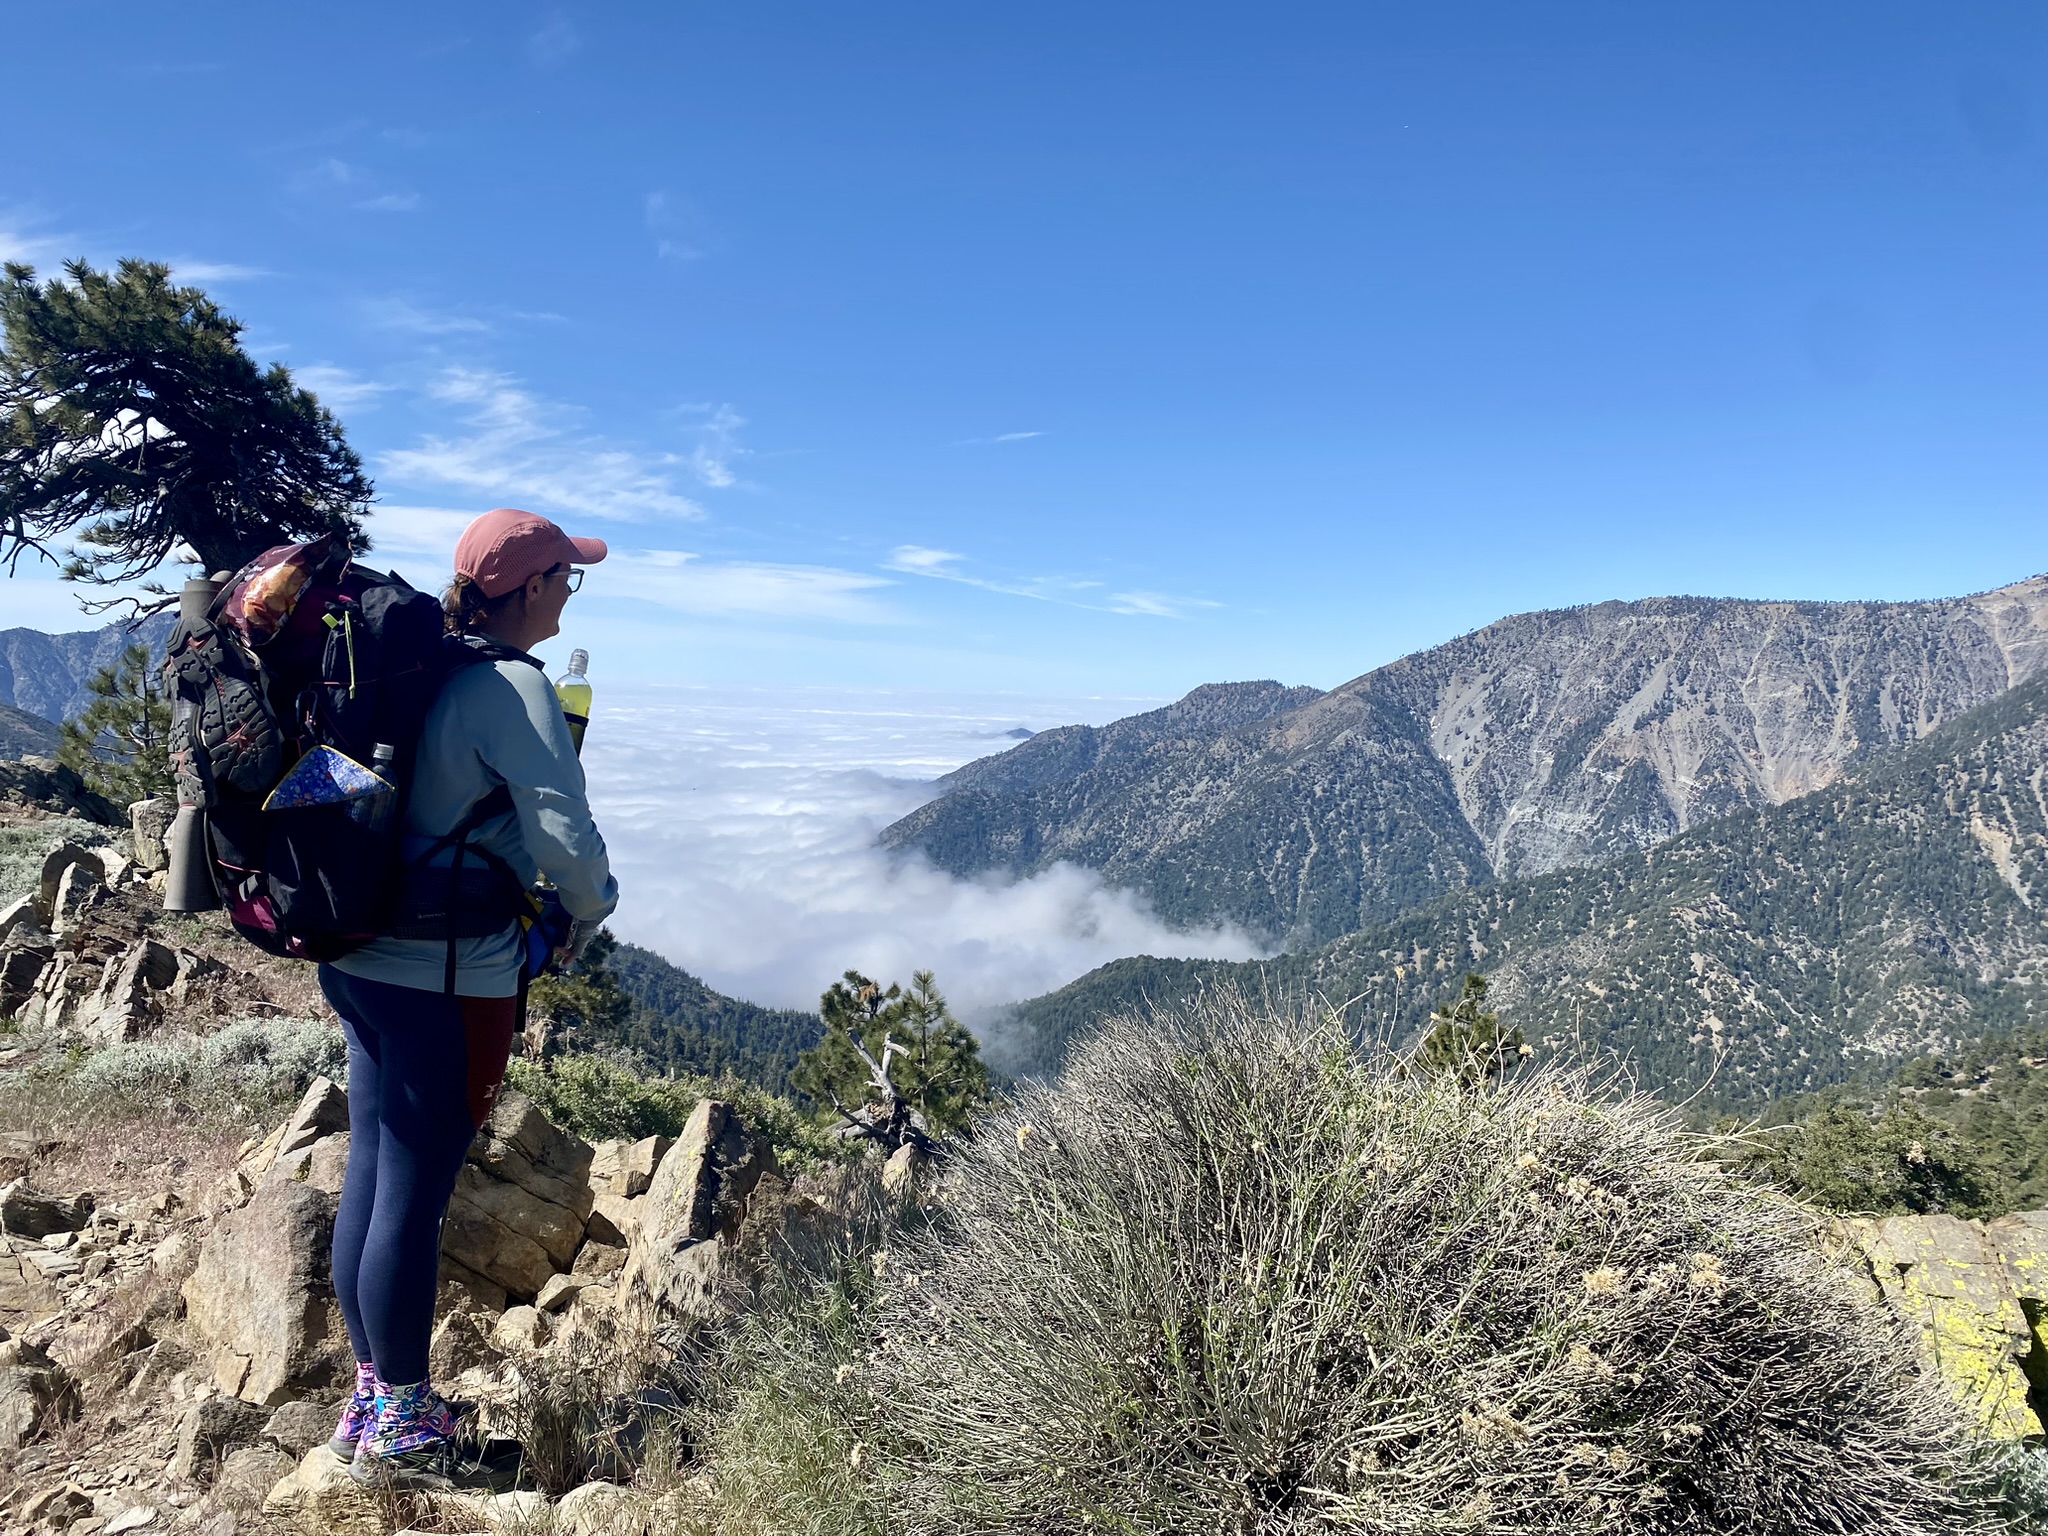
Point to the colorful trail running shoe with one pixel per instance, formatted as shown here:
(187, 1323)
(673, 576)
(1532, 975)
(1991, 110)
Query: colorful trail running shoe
(359, 1418)
(413, 1444)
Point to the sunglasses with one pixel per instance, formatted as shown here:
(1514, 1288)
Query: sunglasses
(574, 574)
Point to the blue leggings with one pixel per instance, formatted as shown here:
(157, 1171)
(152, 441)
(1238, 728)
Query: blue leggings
(423, 1071)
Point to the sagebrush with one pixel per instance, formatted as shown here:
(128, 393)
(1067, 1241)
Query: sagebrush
(246, 1072)
(1230, 1275)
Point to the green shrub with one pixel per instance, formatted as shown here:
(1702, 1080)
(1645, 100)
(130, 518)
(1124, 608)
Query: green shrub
(1227, 1276)
(599, 1098)
(1896, 1161)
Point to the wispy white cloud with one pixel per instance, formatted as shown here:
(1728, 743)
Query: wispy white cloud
(676, 580)
(1068, 591)
(23, 240)
(678, 227)
(396, 314)
(338, 388)
(718, 445)
(1157, 605)
(916, 560)
(554, 42)
(526, 451)
(334, 180)
(732, 589)
(214, 272)
(425, 532)
(1002, 437)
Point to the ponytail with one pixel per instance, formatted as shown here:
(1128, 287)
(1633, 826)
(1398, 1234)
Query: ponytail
(466, 609)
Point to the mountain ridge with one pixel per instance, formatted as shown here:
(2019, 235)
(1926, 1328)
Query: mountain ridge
(1902, 911)
(1541, 741)
(51, 674)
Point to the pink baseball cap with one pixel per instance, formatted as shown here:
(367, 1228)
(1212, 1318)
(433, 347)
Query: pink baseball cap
(502, 549)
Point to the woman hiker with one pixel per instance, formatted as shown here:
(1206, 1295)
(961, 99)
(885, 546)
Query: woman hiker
(430, 1018)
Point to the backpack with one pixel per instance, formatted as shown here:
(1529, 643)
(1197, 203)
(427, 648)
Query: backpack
(298, 705)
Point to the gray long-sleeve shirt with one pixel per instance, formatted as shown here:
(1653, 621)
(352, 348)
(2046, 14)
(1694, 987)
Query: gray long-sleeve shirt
(497, 723)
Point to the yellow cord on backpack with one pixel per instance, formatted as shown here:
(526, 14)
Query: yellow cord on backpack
(348, 638)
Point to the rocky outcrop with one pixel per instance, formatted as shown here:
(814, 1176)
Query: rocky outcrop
(28, 1212)
(46, 785)
(1975, 1295)
(626, 1168)
(692, 1217)
(522, 1201)
(1542, 741)
(322, 1112)
(134, 987)
(36, 1393)
(319, 1497)
(261, 1300)
(209, 1431)
(76, 955)
(149, 824)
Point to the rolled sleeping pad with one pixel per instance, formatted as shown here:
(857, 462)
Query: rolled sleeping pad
(188, 881)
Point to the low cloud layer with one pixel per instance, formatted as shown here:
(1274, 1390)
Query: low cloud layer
(742, 827)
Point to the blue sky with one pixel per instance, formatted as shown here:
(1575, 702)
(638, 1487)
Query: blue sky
(1107, 348)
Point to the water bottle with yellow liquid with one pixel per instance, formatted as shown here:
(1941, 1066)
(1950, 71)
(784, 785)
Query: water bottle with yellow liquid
(573, 689)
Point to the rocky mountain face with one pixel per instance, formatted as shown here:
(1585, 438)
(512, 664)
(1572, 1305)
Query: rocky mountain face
(1542, 742)
(1901, 911)
(51, 675)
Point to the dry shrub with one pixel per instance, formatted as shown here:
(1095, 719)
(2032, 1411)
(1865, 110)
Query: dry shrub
(776, 1405)
(584, 1408)
(1229, 1276)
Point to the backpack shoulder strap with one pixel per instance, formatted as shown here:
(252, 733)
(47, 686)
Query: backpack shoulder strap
(472, 648)
(467, 651)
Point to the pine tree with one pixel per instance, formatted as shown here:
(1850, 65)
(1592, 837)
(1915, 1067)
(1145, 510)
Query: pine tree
(895, 1065)
(133, 424)
(1466, 1039)
(120, 745)
(581, 1008)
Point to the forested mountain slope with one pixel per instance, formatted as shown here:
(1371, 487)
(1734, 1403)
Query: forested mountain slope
(1902, 911)
(678, 1024)
(25, 735)
(1544, 741)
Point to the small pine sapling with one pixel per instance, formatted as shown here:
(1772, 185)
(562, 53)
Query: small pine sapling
(120, 745)
(1466, 1039)
(894, 1066)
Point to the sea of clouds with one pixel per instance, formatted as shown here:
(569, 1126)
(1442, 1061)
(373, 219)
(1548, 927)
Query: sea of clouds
(742, 828)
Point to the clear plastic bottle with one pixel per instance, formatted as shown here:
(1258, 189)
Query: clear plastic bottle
(373, 812)
(573, 689)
